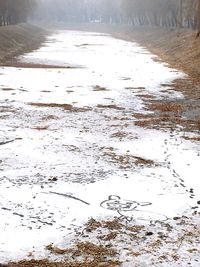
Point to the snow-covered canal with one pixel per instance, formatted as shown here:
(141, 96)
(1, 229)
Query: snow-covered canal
(69, 146)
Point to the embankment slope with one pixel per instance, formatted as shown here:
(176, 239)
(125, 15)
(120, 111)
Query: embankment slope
(17, 39)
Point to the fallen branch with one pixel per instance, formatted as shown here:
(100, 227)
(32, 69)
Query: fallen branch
(6, 142)
(69, 196)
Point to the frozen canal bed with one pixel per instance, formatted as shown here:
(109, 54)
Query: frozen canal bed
(70, 149)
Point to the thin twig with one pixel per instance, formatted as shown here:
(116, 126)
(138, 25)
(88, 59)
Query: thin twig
(69, 196)
(6, 142)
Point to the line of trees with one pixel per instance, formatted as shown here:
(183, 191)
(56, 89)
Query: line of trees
(165, 13)
(15, 11)
(168, 13)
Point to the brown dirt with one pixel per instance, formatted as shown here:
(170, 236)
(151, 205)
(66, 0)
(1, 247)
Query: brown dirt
(52, 105)
(110, 107)
(99, 88)
(16, 64)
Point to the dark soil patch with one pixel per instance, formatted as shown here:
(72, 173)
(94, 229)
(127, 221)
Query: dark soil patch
(52, 105)
(68, 107)
(50, 117)
(40, 128)
(7, 89)
(196, 138)
(110, 107)
(191, 138)
(99, 88)
(135, 88)
(120, 134)
(146, 96)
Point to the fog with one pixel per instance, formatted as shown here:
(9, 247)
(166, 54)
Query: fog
(167, 13)
(107, 11)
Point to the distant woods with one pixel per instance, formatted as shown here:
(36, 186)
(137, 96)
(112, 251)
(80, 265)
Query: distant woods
(163, 13)
(15, 11)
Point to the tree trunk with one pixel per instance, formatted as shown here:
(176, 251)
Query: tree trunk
(198, 19)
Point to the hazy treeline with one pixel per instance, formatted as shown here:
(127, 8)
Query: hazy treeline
(15, 11)
(167, 13)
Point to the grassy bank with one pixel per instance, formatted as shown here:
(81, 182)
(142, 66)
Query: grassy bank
(17, 39)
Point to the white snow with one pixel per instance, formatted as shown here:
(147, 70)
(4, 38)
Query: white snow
(70, 152)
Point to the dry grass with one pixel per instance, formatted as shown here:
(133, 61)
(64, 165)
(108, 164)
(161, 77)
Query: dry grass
(165, 107)
(163, 245)
(92, 225)
(18, 39)
(119, 134)
(46, 263)
(85, 254)
(143, 162)
(178, 49)
(135, 228)
(126, 161)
